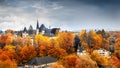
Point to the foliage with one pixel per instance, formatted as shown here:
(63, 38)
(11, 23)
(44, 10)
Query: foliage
(90, 40)
(54, 42)
(65, 40)
(8, 64)
(57, 52)
(100, 59)
(83, 38)
(18, 41)
(42, 40)
(27, 53)
(71, 61)
(117, 54)
(74, 61)
(3, 39)
(8, 41)
(56, 65)
(115, 62)
(9, 32)
(7, 59)
(27, 41)
(43, 50)
(87, 62)
(105, 38)
(117, 42)
(10, 48)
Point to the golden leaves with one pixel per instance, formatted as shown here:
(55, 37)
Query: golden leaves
(65, 40)
(42, 40)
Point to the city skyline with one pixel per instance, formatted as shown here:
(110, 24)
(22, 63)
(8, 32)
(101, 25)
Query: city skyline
(72, 15)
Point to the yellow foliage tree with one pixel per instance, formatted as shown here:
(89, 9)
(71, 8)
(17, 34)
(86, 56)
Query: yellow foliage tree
(10, 48)
(65, 40)
(100, 59)
(54, 42)
(42, 40)
(90, 40)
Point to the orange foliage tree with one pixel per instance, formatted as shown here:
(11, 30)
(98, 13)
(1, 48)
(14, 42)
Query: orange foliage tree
(19, 41)
(57, 52)
(105, 38)
(71, 61)
(7, 59)
(43, 50)
(8, 41)
(117, 42)
(115, 62)
(26, 53)
(84, 38)
(65, 40)
(90, 40)
(3, 39)
(52, 51)
(8, 64)
(9, 32)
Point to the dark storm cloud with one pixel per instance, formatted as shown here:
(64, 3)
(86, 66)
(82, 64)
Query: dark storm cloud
(67, 14)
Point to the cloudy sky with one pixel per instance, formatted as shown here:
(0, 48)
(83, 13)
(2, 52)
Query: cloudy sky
(71, 15)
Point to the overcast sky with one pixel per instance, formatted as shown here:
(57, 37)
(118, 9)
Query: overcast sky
(65, 14)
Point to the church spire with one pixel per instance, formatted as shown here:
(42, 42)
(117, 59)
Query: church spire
(37, 27)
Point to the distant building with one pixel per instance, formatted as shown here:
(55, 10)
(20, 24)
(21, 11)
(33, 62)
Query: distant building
(25, 32)
(42, 28)
(30, 30)
(46, 31)
(39, 30)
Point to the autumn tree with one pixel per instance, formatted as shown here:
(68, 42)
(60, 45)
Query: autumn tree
(3, 39)
(26, 53)
(8, 40)
(9, 32)
(19, 41)
(74, 61)
(84, 38)
(54, 42)
(99, 58)
(42, 40)
(90, 40)
(71, 61)
(105, 39)
(43, 50)
(7, 59)
(65, 40)
(117, 42)
(114, 62)
(94, 40)
(57, 52)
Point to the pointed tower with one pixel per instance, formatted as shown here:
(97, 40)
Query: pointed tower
(37, 28)
(25, 32)
(30, 30)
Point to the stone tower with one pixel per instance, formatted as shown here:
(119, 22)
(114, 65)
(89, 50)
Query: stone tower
(37, 27)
